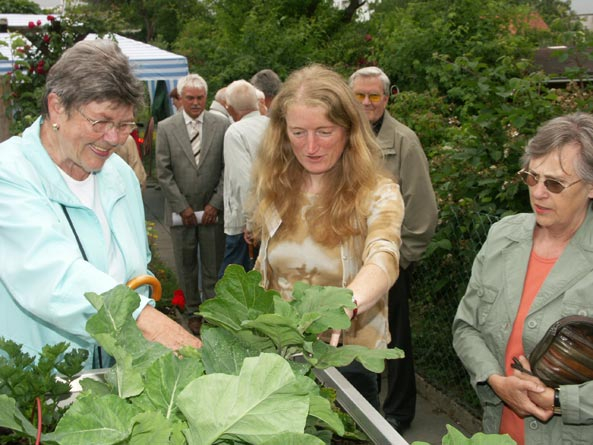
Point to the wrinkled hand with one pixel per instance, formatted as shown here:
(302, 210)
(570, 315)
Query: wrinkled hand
(210, 214)
(516, 391)
(157, 327)
(544, 399)
(189, 217)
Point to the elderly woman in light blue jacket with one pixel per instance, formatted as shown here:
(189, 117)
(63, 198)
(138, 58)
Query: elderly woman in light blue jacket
(72, 218)
(533, 270)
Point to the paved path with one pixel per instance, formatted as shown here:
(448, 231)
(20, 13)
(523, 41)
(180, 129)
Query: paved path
(431, 420)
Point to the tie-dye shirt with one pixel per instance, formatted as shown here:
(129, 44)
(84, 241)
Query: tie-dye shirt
(286, 258)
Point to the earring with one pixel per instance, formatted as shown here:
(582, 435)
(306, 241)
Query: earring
(55, 127)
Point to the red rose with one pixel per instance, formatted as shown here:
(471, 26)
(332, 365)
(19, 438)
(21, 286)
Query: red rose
(46, 38)
(50, 18)
(179, 299)
(39, 22)
(31, 25)
(368, 37)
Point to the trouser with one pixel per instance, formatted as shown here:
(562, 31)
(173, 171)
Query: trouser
(365, 381)
(236, 251)
(186, 239)
(400, 399)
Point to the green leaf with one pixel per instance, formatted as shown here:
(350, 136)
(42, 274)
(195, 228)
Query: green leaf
(251, 407)
(324, 356)
(294, 439)
(98, 420)
(166, 378)
(321, 409)
(239, 297)
(224, 351)
(12, 418)
(325, 302)
(281, 330)
(150, 428)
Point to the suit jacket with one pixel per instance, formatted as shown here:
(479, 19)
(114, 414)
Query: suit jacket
(183, 183)
(486, 314)
(405, 159)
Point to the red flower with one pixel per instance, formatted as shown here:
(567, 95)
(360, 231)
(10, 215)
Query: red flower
(39, 22)
(31, 25)
(46, 38)
(50, 18)
(368, 37)
(179, 299)
(40, 70)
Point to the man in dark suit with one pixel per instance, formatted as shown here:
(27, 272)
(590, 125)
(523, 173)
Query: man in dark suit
(190, 166)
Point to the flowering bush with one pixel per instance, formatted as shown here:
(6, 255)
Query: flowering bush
(35, 51)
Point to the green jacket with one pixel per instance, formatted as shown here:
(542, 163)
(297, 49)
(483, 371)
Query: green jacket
(485, 316)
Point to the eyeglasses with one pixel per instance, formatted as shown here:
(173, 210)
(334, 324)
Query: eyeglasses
(554, 186)
(103, 126)
(374, 98)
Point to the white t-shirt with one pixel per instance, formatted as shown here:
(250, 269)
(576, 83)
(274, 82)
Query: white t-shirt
(88, 194)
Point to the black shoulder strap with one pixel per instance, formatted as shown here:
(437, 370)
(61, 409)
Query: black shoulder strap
(74, 231)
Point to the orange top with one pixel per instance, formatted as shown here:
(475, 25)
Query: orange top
(537, 271)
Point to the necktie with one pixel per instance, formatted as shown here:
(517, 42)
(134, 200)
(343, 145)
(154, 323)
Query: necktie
(195, 141)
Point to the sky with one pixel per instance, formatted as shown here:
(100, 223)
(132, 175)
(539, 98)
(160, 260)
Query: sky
(582, 6)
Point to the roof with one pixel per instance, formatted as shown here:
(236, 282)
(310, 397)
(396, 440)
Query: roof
(149, 62)
(13, 21)
(555, 60)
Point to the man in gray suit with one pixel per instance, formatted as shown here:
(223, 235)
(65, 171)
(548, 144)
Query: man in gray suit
(190, 166)
(404, 158)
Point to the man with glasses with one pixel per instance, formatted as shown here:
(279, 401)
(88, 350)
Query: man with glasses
(405, 159)
(189, 164)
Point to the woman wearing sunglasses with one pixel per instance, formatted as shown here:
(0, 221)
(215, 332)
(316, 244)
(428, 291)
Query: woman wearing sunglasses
(533, 270)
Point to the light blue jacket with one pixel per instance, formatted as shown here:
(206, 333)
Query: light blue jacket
(486, 313)
(43, 277)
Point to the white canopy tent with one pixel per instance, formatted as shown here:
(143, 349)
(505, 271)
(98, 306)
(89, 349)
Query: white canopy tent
(150, 63)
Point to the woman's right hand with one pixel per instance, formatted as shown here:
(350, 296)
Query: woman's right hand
(514, 391)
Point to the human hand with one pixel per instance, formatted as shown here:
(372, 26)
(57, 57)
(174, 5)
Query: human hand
(248, 237)
(210, 214)
(545, 399)
(515, 392)
(189, 217)
(157, 327)
(335, 337)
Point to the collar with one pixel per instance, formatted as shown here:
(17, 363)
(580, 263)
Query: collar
(376, 126)
(188, 119)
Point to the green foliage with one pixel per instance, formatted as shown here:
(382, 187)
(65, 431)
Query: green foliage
(455, 437)
(35, 51)
(227, 392)
(233, 39)
(22, 381)
(19, 7)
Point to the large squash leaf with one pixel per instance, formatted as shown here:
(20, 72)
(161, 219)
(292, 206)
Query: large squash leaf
(323, 356)
(265, 399)
(104, 420)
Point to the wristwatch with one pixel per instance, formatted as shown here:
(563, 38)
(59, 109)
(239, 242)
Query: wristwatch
(557, 408)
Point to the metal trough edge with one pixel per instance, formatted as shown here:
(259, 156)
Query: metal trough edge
(366, 417)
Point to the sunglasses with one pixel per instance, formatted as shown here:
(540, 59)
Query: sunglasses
(374, 98)
(554, 186)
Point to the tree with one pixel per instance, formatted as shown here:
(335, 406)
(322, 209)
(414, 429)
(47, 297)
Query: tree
(19, 7)
(232, 39)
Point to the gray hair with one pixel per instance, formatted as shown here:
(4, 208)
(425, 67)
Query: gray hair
(220, 95)
(372, 71)
(559, 132)
(242, 96)
(93, 71)
(192, 81)
(267, 81)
